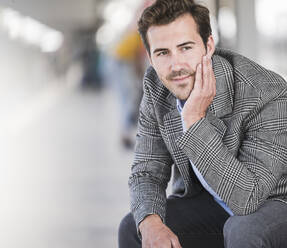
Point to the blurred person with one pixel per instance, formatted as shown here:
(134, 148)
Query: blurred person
(129, 68)
(91, 74)
(217, 119)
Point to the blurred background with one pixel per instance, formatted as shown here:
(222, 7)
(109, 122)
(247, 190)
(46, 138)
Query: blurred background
(70, 86)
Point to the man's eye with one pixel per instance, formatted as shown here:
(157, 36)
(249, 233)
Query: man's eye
(186, 48)
(162, 53)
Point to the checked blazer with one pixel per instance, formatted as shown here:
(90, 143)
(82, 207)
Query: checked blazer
(240, 146)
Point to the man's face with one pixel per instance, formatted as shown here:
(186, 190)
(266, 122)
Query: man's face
(176, 50)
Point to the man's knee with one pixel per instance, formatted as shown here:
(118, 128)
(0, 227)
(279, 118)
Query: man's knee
(242, 231)
(127, 236)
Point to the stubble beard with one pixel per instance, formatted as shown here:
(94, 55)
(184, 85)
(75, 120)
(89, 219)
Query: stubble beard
(177, 90)
(182, 72)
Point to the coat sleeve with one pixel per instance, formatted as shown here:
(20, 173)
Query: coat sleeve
(151, 169)
(245, 180)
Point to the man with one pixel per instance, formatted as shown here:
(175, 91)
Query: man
(220, 121)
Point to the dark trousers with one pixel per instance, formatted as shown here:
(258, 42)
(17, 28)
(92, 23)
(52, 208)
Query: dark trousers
(199, 222)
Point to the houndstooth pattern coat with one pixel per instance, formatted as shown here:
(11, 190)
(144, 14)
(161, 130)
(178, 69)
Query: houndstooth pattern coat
(240, 147)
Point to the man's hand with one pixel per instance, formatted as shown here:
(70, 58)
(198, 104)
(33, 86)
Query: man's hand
(202, 95)
(155, 234)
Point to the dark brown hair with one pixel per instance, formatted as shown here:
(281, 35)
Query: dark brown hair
(163, 12)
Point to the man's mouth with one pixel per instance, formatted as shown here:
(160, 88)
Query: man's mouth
(180, 78)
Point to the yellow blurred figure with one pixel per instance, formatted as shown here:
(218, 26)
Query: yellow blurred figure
(129, 47)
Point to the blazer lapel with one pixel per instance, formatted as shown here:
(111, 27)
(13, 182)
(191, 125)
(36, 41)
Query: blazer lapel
(223, 101)
(173, 130)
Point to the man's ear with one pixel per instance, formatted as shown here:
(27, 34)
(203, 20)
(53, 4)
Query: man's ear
(210, 46)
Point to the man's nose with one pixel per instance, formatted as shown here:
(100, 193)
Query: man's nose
(176, 62)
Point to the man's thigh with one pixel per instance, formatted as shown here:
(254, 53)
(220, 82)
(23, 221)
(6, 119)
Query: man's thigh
(197, 221)
(267, 227)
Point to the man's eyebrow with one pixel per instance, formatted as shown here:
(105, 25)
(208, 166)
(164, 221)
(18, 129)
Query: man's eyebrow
(186, 43)
(180, 45)
(160, 50)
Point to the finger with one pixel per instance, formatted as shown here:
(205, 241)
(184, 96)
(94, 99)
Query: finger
(212, 77)
(198, 77)
(213, 84)
(209, 75)
(175, 242)
(209, 67)
(145, 245)
(208, 82)
(205, 76)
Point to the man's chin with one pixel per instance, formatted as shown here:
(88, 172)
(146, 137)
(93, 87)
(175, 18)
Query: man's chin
(182, 97)
(183, 93)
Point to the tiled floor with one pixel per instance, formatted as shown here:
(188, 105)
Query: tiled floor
(63, 180)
